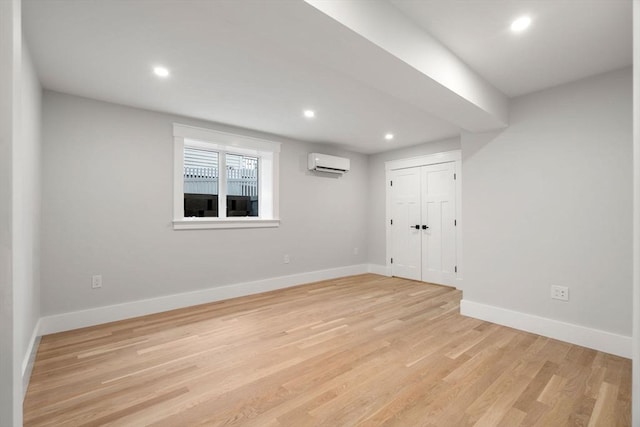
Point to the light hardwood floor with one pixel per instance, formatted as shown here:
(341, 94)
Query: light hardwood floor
(364, 350)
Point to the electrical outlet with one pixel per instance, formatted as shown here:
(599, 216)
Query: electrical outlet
(355, 251)
(560, 292)
(286, 259)
(96, 281)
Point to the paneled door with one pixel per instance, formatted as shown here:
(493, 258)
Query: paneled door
(423, 223)
(438, 214)
(405, 212)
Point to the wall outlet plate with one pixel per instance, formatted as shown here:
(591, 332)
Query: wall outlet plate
(560, 292)
(96, 281)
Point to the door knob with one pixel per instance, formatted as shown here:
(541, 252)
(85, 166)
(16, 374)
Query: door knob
(424, 227)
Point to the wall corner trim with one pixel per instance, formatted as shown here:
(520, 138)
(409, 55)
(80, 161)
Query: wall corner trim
(619, 345)
(111, 313)
(30, 357)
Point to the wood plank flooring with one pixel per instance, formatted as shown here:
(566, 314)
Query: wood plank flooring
(359, 351)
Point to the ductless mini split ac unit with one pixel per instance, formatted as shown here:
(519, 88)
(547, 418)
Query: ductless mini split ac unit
(326, 163)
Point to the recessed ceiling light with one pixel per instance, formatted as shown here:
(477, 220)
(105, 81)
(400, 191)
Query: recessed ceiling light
(520, 24)
(161, 71)
(309, 114)
(388, 136)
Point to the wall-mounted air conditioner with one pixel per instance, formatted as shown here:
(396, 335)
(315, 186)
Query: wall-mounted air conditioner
(326, 163)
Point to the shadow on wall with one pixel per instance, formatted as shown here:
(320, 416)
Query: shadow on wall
(480, 140)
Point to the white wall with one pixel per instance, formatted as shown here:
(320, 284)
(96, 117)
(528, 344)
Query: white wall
(636, 215)
(26, 211)
(107, 209)
(376, 215)
(10, 48)
(19, 210)
(549, 200)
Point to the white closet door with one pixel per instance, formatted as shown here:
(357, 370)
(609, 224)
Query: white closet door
(405, 213)
(438, 215)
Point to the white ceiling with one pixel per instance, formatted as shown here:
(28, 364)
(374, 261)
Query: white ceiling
(258, 63)
(567, 40)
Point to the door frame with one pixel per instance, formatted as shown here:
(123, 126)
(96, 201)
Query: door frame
(454, 156)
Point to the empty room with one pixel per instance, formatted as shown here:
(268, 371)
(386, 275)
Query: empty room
(319, 213)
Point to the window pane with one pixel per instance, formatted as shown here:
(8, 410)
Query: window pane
(200, 183)
(242, 185)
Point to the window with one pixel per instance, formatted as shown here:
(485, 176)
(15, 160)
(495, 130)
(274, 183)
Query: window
(242, 185)
(200, 183)
(223, 180)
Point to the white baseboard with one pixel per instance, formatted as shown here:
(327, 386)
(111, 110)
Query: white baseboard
(384, 270)
(596, 339)
(379, 269)
(30, 357)
(96, 316)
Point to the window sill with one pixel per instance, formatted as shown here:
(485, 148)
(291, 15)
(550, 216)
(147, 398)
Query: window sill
(210, 223)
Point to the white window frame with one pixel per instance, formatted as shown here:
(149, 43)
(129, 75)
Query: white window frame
(268, 153)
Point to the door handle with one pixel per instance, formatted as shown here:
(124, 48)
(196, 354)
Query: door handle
(417, 227)
(424, 227)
